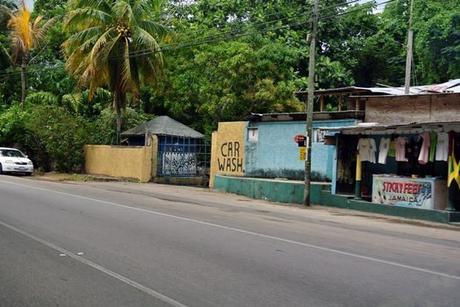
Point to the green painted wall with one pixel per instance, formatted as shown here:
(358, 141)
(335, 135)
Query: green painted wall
(292, 192)
(273, 190)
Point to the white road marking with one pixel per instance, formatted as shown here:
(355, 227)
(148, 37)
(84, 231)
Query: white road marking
(248, 232)
(98, 267)
(80, 253)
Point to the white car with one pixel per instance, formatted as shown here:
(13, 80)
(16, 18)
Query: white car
(14, 161)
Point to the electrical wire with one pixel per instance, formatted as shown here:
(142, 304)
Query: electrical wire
(229, 34)
(215, 38)
(232, 31)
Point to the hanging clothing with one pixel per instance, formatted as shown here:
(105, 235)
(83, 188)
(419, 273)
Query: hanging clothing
(392, 149)
(383, 150)
(425, 149)
(400, 145)
(433, 142)
(367, 149)
(442, 147)
(413, 149)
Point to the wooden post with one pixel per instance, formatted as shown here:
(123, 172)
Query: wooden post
(409, 55)
(321, 103)
(311, 94)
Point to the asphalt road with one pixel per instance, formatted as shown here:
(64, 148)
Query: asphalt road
(113, 244)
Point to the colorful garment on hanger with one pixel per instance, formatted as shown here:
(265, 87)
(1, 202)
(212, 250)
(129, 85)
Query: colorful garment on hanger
(433, 143)
(383, 150)
(442, 147)
(367, 149)
(425, 149)
(400, 145)
(392, 150)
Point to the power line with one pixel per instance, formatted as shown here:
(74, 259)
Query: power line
(231, 31)
(288, 17)
(219, 37)
(229, 34)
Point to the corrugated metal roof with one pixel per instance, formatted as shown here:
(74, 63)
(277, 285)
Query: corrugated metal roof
(374, 128)
(163, 125)
(452, 86)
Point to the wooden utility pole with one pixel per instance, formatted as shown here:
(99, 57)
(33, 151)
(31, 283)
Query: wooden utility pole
(410, 42)
(310, 100)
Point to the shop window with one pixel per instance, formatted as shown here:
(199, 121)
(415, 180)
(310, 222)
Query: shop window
(318, 136)
(253, 135)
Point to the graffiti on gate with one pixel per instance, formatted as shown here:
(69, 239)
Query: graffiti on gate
(178, 163)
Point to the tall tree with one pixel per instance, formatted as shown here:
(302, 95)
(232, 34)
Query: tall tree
(115, 43)
(25, 33)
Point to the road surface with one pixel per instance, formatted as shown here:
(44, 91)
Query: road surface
(125, 244)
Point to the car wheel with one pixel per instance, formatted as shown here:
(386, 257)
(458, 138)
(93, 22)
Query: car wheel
(1, 169)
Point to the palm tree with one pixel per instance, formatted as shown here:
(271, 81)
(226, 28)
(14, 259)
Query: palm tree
(25, 35)
(114, 43)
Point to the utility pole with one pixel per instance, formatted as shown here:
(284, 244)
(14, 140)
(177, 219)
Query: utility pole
(410, 42)
(310, 100)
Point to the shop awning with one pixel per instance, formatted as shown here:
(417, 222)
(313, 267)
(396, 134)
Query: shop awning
(376, 128)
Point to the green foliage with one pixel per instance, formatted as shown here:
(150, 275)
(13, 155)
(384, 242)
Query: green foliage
(437, 42)
(80, 103)
(42, 98)
(61, 135)
(53, 138)
(103, 130)
(12, 126)
(228, 81)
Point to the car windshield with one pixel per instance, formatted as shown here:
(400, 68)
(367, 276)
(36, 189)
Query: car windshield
(11, 153)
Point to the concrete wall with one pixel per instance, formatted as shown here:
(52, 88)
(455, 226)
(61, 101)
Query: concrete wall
(395, 110)
(120, 161)
(292, 192)
(227, 152)
(275, 154)
(282, 191)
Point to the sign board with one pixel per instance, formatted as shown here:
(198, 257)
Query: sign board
(302, 153)
(406, 192)
(299, 138)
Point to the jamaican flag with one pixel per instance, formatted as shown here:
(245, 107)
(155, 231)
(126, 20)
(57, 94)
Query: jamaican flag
(454, 166)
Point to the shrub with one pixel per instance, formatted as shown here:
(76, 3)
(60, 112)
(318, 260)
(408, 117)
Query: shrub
(61, 135)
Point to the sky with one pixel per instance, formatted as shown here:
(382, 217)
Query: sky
(30, 3)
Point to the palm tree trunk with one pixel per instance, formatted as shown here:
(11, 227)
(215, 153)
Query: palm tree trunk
(23, 83)
(118, 104)
(119, 122)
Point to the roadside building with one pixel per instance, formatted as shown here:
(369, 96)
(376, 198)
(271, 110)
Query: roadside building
(405, 153)
(264, 146)
(397, 154)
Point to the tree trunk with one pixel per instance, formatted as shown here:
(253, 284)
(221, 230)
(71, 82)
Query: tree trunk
(23, 83)
(118, 103)
(119, 122)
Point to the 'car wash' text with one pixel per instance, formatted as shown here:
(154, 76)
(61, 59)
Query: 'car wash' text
(230, 160)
